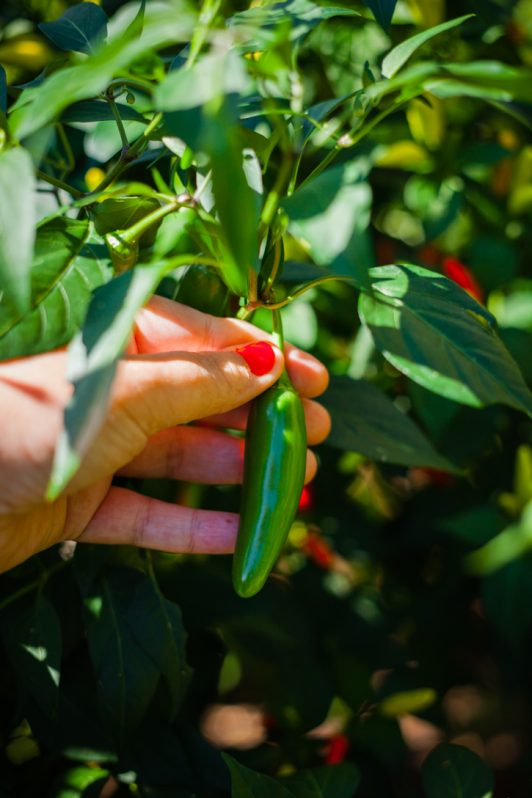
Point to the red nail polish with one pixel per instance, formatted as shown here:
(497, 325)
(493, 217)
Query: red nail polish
(259, 356)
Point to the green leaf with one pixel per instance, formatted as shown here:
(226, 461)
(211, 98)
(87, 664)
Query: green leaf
(235, 202)
(32, 638)
(382, 11)
(510, 544)
(452, 771)
(338, 781)
(135, 638)
(191, 98)
(365, 420)
(435, 333)
(216, 75)
(17, 226)
(246, 783)
(484, 79)
(200, 107)
(136, 25)
(37, 106)
(68, 265)
(99, 111)
(119, 213)
(339, 199)
(75, 782)
(257, 27)
(81, 28)
(398, 57)
(93, 357)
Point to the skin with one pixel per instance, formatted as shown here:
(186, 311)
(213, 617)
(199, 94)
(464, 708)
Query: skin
(180, 368)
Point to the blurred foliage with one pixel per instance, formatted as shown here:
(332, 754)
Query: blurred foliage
(398, 621)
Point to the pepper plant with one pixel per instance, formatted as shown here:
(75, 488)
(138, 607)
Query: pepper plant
(334, 166)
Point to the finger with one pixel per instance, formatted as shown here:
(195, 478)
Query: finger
(127, 518)
(165, 326)
(154, 392)
(317, 419)
(196, 454)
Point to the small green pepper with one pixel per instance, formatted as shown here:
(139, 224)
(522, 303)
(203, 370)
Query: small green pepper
(274, 474)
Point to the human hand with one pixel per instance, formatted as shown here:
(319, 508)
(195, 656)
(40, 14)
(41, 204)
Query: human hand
(181, 367)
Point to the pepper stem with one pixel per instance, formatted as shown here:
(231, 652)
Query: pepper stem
(278, 330)
(278, 339)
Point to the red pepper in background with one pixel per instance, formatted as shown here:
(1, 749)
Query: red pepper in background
(319, 551)
(337, 749)
(306, 501)
(456, 271)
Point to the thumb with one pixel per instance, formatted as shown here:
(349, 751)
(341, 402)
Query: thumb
(162, 390)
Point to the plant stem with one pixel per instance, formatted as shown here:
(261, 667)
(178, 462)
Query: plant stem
(54, 181)
(134, 232)
(272, 200)
(70, 160)
(278, 336)
(300, 291)
(128, 154)
(134, 83)
(351, 138)
(118, 119)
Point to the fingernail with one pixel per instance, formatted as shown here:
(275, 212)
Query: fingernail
(260, 357)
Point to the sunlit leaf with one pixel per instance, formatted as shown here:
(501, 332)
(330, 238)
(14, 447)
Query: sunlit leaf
(257, 26)
(165, 24)
(398, 57)
(17, 226)
(68, 264)
(93, 357)
(436, 334)
(339, 199)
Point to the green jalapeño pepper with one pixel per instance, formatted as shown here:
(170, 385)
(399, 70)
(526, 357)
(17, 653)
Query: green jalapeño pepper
(274, 474)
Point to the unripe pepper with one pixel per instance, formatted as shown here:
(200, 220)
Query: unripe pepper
(274, 474)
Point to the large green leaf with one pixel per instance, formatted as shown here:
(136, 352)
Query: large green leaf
(93, 357)
(135, 638)
(164, 24)
(436, 334)
(452, 771)
(32, 636)
(257, 27)
(81, 28)
(365, 420)
(338, 200)
(17, 226)
(68, 264)
(246, 783)
(398, 57)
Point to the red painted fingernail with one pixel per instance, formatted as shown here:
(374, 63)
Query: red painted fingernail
(259, 356)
